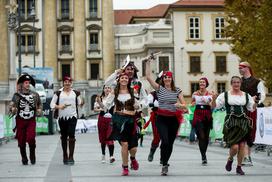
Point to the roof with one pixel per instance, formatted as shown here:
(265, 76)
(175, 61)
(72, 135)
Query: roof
(192, 3)
(125, 16)
(159, 11)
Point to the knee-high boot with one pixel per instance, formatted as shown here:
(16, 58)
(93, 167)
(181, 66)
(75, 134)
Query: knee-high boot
(23, 155)
(64, 149)
(71, 160)
(32, 155)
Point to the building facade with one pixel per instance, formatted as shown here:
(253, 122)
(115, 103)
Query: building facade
(74, 37)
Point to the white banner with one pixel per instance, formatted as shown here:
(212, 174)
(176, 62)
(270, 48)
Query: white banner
(264, 126)
(1, 126)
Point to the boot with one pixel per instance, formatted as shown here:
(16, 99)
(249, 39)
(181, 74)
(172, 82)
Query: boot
(71, 160)
(151, 154)
(64, 149)
(23, 155)
(32, 155)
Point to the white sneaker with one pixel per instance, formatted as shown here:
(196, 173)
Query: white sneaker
(103, 159)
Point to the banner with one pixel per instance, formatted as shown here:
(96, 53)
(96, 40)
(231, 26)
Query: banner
(264, 126)
(1, 126)
(218, 123)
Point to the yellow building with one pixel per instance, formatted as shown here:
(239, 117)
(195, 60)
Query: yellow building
(74, 37)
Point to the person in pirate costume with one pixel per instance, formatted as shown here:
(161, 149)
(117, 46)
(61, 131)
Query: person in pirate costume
(170, 99)
(123, 119)
(65, 102)
(237, 125)
(26, 105)
(202, 120)
(104, 121)
(255, 88)
(139, 93)
(154, 104)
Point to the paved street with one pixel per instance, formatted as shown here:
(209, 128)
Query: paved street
(184, 164)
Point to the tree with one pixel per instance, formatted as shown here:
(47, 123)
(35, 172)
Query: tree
(249, 31)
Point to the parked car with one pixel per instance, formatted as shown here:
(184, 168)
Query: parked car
(41, 91)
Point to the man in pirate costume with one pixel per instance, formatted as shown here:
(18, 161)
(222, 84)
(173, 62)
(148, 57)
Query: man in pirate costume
(256, 89)
(139, 93)
(26, 105)
(65, 102)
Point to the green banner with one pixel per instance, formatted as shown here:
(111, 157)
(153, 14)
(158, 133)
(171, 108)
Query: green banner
(218, 123)
(41, 125)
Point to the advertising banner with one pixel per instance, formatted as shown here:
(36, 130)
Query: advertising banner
(264, 126)
(1, 126)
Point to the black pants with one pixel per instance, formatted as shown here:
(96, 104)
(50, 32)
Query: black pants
(67, 127)
(167, 127)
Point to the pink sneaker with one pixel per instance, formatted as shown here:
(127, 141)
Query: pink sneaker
(134, 164)
(125, 172)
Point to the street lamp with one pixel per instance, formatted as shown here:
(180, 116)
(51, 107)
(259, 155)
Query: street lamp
(33, 15)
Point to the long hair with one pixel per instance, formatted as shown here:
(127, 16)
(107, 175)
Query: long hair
(117, 90)
(173, 87)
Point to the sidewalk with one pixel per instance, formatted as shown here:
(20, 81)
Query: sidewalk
(185, 164)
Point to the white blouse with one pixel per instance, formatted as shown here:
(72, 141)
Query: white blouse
(108, 102)
(239, 100)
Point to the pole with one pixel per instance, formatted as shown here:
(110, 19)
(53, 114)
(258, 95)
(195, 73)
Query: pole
(19, 39)
(34, 41)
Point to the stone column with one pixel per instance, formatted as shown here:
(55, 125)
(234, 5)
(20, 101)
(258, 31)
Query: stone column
(50, 36)
(79, 41)
(4, 58)
(108, 38)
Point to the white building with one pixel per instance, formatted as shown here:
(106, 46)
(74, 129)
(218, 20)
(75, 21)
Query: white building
(140, 40)
(201, 50)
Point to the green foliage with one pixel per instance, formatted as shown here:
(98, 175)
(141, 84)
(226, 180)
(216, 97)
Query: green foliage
(249, 31)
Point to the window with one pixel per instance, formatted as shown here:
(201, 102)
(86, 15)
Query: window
(27, 43)
(65, 42)
(195, 64)
(143, 68)
(65, 70)
(163, 63)
(64, 9)
(219, 27)
(93, 8)
(221, 87)
(94, 71)
(93, 100)
(221, 64)
(26, 7)
(93, 41)
(194, 27)
(194, 87)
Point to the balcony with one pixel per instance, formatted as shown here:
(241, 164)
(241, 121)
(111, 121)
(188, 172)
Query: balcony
(94, 48)
(65, 49)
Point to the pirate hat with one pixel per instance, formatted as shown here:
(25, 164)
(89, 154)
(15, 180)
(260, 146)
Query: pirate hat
(26, 77)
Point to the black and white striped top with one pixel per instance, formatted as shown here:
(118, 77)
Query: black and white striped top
(167, 98)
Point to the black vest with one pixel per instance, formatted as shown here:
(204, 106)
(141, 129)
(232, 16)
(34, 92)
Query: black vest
(249, 85)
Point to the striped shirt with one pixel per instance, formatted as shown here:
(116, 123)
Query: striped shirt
(167, 99)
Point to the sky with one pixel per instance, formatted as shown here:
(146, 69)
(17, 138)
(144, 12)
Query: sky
(138, 4)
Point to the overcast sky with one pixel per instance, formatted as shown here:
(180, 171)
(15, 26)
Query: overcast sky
(138, 4)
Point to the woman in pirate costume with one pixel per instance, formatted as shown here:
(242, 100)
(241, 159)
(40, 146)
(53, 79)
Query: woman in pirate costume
(104, 128)
(170, 98)
(26, 105)
(237, 124)
(123, 119)
(139, 93)
(202, 121)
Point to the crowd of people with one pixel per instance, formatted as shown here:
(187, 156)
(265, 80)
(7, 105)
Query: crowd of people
(121, 116)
